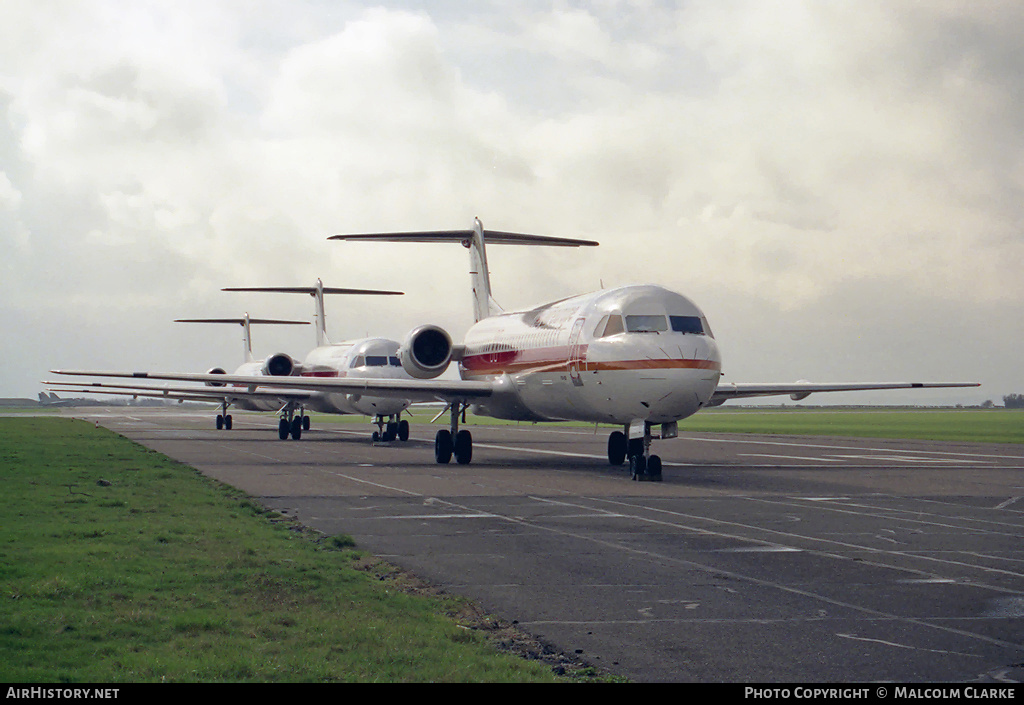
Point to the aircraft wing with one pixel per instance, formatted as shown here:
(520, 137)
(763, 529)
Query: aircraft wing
(800, 390)
(217, 394)
(415, 390)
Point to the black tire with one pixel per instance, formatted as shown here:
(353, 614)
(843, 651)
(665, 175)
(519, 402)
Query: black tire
(654, 468)
(220, 422)
(464, 447)
(305, 423)
(375, 437)
(443, 446)
(638, 468)
(403, 430)
(227, 422)
(617, 445)
(282, 429)
(296, 428)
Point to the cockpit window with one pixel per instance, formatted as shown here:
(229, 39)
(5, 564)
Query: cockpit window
(646, 324)
(613, 326)
(687, 324)
(376, 360)
(394, 361)
(358, 361)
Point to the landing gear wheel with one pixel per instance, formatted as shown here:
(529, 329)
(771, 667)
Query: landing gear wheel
(403, 430)
(227, 422)
(638, 468)
(220, 422)
(305, 423)
(464, 447)
(375, 437)
(654, 468)
(296, 428)
(443, 446)
(390, 431)
(617, 445)
(282, 429)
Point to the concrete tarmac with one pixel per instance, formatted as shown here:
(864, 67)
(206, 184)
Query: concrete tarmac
(758, 559)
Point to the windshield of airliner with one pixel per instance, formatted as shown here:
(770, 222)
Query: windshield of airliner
(660, 324)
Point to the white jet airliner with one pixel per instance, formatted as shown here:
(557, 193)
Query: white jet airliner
(640, 357)
(373, 358)
(361, 358)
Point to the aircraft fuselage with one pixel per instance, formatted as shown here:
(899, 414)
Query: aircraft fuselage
(616, 356)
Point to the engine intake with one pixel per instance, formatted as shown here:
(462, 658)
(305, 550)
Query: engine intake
(426, 352)
(216, 371)
(279, 365)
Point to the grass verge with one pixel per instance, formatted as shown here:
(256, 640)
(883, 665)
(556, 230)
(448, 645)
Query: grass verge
(118, 564)
(965, 426)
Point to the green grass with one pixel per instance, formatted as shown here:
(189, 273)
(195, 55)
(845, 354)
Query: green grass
(967, 426)
(118, 564)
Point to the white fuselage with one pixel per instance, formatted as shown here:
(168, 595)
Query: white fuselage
(375, 358)
(367, 358)
(618, 356)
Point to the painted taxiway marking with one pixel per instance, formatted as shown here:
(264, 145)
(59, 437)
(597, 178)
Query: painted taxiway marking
(908, 451)
(908, 459)
(788, 457)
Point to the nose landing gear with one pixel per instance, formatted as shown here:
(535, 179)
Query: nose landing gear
(290, 424)
(642, 465)
(448, 442)
(388, 431)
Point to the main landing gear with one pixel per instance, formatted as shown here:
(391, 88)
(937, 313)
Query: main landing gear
(642, 465)
(391, 429)
(291, 424)
(224, 418)
(449, 442)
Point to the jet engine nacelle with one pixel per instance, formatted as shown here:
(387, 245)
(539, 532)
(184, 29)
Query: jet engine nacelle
(799, 396)
(216, 371)
(426, 352)
(279, 365)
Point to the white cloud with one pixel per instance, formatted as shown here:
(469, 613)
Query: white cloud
(784, 153)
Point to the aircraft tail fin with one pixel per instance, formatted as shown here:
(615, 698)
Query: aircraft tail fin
(245, 322)
(474, 240)
(317, 292)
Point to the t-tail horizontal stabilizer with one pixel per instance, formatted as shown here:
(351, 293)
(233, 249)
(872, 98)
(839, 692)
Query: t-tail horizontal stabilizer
(245, 322)
(474, 239)
(317, 292)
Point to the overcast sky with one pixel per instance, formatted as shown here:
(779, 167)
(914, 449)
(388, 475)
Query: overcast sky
(839, 185)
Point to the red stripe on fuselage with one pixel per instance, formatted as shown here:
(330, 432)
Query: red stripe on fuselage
(548, 359)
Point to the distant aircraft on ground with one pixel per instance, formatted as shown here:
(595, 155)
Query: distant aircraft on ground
(636, 356)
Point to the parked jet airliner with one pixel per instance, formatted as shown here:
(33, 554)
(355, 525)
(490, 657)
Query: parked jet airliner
(365, 357)
(640, 357)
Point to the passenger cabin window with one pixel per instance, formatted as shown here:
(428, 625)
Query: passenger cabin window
(646, 324)
(687, 324)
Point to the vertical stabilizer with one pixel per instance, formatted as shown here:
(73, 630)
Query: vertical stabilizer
(320, 315)
(247, 338)
(484, 305)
